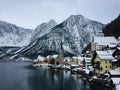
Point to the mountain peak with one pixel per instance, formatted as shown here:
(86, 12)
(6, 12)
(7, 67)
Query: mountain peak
(78, 18)
(43, 29)
(76, 15)
(52, 22)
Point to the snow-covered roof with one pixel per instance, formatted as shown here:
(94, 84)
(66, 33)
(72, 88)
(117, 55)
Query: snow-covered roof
(112, 44)
(95, 77)
(74, 57)
(86, 71)
(105, 40)
(114, 60)
(40, 57)
(102, 43)
(54, 56)
(110, 41)
(88, 58)
(118, 87)
(116, 80)
(49, 56)
(106, 55)
(74, 65)
(80, 58)
(114, 72)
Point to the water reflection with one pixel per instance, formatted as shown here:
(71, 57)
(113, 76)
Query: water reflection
(56, 80)
(22, 76)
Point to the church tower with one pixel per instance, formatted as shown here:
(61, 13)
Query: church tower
(61, 54)
(61, 50)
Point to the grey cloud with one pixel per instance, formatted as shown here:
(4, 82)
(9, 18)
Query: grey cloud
(30, 13)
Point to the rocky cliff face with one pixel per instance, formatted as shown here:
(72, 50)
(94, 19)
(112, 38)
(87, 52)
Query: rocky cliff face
(43, 29)
(75, 33)
(12, 35)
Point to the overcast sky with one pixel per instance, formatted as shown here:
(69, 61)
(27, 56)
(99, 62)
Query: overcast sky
(30, 13)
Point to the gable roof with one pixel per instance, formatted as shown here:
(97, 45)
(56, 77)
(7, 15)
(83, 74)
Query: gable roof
(105, 55)
(114, 72)
(105, 41)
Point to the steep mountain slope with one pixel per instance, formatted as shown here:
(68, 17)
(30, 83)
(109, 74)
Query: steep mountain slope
(43, 29)
(7, 52)
(75, 33)
(113, 28)
(12, 35)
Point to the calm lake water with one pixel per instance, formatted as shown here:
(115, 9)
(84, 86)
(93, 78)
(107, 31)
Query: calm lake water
(23, 76)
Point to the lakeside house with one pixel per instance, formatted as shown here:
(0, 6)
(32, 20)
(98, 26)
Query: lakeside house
(106, 60)
(103, 62)
(104, 52)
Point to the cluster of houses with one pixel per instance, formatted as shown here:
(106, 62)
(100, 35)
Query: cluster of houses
(105, 54)
(103, 58)
(81, 62)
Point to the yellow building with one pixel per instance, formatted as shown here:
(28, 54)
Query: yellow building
(103, 62)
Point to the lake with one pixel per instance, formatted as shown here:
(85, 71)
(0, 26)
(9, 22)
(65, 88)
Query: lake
(23, 76)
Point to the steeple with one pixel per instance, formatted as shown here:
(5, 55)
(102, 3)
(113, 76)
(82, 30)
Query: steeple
(61, 54)
(61, 50)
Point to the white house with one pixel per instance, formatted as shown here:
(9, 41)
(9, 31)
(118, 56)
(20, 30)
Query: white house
(100, 43)
(40, 58)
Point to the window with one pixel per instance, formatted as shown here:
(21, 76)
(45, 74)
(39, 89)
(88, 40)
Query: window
(110, 67)
(105, 61)
(109, 61)
(106, 66)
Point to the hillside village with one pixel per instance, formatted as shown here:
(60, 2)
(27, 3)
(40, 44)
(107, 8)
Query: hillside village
(103, 59)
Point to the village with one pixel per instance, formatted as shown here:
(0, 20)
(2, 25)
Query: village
(100, 66)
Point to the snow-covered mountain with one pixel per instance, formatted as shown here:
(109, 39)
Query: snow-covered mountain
(43, 29)
(12, 35)
(75, 33)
